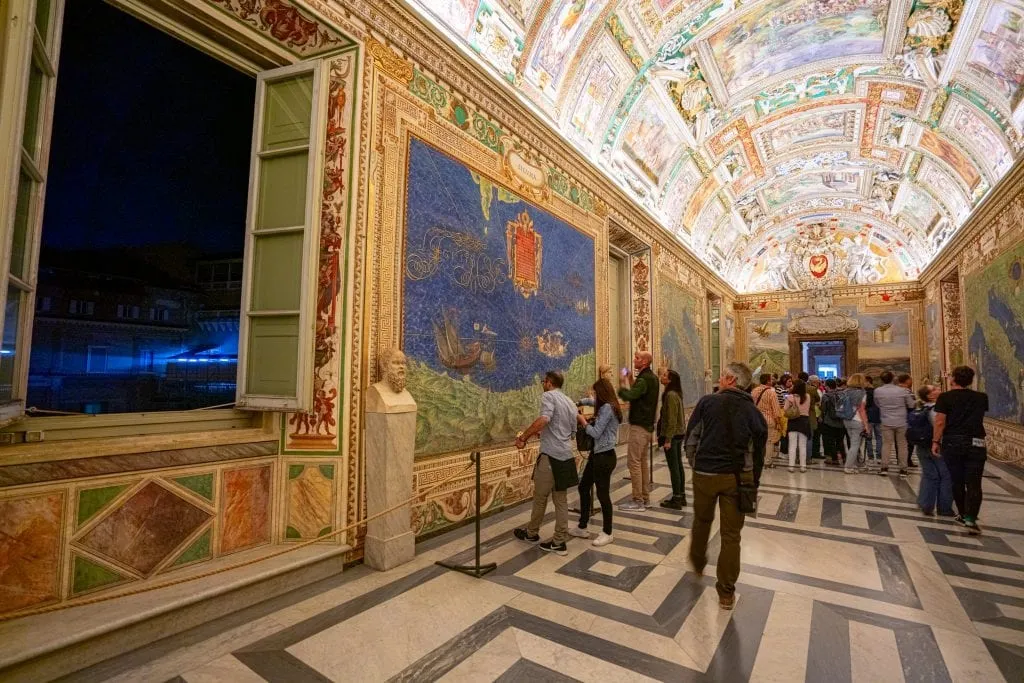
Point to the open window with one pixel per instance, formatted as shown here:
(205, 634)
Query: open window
(275, 280)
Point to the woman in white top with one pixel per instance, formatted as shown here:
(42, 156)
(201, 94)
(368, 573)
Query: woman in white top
(798, 404)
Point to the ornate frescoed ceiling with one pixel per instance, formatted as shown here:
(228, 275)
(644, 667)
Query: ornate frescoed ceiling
(762, 132)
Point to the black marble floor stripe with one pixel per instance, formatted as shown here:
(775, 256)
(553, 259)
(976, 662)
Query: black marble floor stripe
(320, 622)
(983, 605)
(832, 518)
(440, 661)
(906, 493)
(664, 542)
(828, 653)
(1009, 658)
(280, 667)
(737, 650)
(605, 650)
(525, 671)
(989, 544)
(679, 602)
(632, 575)
(788, 508)
(827, 492)
(952, 563)
(1004, 482)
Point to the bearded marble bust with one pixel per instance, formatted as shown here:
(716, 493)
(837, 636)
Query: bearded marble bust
(389, 395)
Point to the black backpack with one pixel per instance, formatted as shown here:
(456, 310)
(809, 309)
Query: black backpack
(828, 410)
(919, 427)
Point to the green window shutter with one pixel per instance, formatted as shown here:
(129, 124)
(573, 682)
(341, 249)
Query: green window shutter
(275, 356)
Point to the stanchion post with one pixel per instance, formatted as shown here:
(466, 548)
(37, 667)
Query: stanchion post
(476, 569)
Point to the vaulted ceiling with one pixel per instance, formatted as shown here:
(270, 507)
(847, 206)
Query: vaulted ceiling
(763, 133)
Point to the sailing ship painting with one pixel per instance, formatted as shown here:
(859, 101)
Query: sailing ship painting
(450, 349)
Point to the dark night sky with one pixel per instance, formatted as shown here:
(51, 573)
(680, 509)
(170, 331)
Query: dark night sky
(151, 139)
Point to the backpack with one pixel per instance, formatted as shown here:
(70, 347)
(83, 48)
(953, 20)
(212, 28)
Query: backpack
(919, 427)
(845, 408)
(828, 410)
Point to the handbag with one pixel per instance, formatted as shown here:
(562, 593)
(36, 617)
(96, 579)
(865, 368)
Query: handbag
(584, 441)
(746, 496)
(792, 411)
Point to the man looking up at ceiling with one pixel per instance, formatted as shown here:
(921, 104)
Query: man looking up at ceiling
(642, 394)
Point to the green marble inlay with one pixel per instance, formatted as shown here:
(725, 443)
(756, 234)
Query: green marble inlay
(327, 471)
(323, 532)
(292, 532)
(198, 550)
(89, 575)
(91, 501)
(198, 483)
(295, 470)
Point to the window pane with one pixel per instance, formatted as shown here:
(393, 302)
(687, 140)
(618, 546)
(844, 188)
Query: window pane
(10, 342)
(273, 355)
(277, 270)
(282, 198)
(287, 113)
(33, 109)
(22, 217)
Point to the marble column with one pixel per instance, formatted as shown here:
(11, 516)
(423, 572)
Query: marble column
(390, 442)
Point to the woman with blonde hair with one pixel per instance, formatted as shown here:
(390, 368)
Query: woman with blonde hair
(765, 400)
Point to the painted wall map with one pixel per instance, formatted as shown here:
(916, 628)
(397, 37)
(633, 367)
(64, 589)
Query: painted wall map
(682, 338)
(496, 292)
(785, 34)
(768, 345)
(933, 319)
(995, 337)
(883, 342)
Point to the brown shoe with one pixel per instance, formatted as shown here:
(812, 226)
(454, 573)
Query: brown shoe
(726, 601)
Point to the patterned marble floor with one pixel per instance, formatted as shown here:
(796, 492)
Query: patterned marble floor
(843, 580)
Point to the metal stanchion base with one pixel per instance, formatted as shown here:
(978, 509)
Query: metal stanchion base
(470, 570)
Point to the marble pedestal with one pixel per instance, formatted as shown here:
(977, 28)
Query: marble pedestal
(390, 442)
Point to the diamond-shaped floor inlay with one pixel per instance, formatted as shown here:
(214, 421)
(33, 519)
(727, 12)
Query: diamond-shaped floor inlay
(145, 529)
(609, 570)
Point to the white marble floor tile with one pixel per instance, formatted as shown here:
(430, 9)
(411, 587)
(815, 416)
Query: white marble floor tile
(782, 655)
(966, 657)
(1003, 635)
(573, 663)
(1015, 574)
(809, 512)
(1012, 612)
(607, 568)
(655, 588)
(936, 595)
(382, 641)
(222, 670)
(544, 571)
(874, 655)
(487, 663)
(855, 516)
(701, 632)
(821, 558)
(768, 503)
(1001, 589)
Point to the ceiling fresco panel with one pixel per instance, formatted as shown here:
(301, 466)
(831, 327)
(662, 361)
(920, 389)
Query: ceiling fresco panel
(997, 54)
(559, 38)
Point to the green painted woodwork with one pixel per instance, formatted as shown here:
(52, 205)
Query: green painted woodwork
(198, 483)
(292, 532)
(89, 575)
(273, 362)
(278, 260)
(327, 471)
(288, 111)
(199, 549)
(295, 470)
(91, 501)
(282, 192)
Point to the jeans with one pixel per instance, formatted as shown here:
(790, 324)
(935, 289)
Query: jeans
(674, 456)
(598, 471)
(966, 465)
(798, 446)
(815, 443)
(936, 485)
(637, 459)
(854, 430)
(894, 438)
(709, 489)
(544, 486)
(874, 449)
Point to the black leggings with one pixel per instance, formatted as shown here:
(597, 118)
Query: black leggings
(598, 471)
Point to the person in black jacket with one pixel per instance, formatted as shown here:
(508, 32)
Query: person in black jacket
(642, 394)
(726, 436)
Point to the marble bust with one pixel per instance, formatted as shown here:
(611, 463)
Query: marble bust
(389, 395)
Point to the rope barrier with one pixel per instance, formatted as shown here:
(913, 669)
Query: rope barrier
(19, 614)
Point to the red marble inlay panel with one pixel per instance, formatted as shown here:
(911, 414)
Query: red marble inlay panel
(29, 550)
(145, 529)
(246, 508)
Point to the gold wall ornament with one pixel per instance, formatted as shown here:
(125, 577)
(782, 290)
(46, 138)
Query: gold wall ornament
(525, 176)
(387, 61)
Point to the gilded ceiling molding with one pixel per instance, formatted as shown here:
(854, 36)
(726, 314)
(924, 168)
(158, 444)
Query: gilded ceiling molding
(287, 25)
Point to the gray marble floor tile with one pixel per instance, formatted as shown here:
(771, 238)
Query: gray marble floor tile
(1009, 658)
(632, 574)
(525, 671)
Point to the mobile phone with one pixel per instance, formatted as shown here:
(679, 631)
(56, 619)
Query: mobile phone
(625, 371)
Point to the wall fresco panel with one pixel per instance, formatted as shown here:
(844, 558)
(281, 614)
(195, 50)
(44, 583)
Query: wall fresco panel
(245, 508)
(30, 542)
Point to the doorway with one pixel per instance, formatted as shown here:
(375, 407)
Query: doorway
(824, 358)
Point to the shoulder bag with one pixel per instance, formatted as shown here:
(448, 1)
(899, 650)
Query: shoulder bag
(746, 493)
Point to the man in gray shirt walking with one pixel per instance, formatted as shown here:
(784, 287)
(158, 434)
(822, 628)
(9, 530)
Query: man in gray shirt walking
(555, 469)
(893, 402)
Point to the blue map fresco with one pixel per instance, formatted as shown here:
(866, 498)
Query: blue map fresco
(682, 340)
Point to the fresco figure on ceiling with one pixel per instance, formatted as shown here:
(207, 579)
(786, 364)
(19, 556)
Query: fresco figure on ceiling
(861, 263)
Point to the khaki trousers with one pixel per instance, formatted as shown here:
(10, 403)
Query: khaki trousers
(638, 460)
(543, 486)
(709, 489)
(894, 438)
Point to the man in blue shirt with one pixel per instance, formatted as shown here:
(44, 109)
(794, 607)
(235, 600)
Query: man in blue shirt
(555, 469)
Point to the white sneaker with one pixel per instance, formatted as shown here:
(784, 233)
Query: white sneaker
(792, 470)
(632, 506)
(602, 539)
(578, 532)
(849, 470)
(803, 469)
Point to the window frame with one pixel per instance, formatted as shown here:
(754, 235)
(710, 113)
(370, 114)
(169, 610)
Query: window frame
(303, 398)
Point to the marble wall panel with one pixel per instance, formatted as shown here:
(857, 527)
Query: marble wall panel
(30, 541)
(245, 508)
(310, 500)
